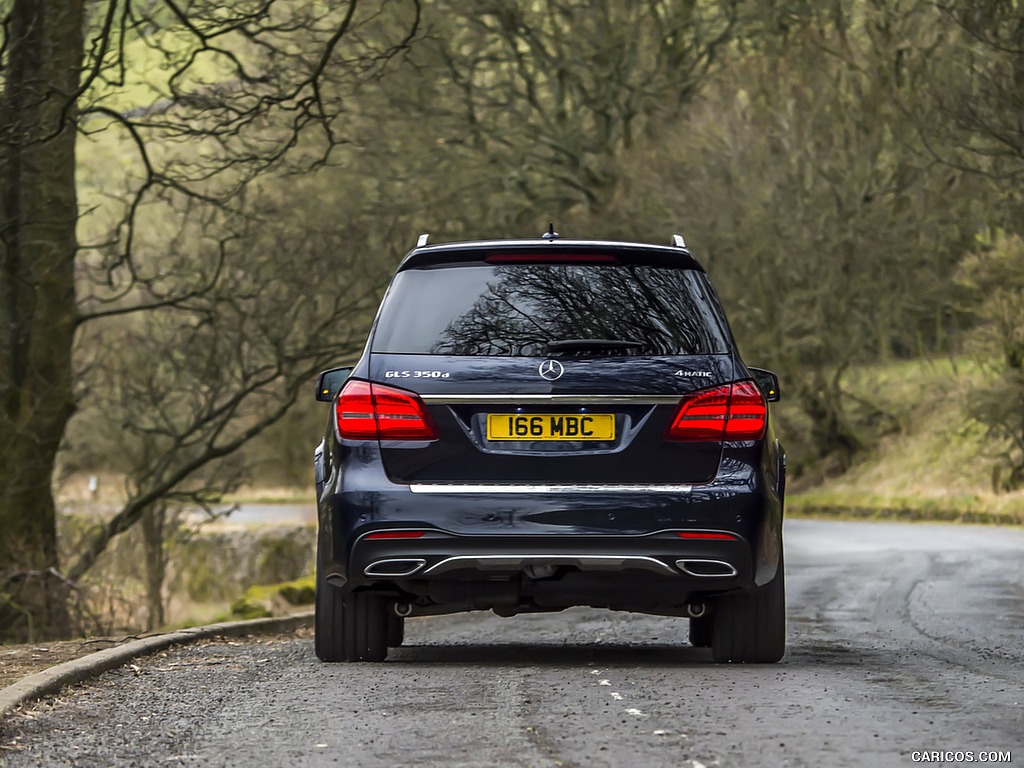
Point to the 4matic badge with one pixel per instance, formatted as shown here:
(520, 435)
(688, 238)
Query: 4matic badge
(694, 374)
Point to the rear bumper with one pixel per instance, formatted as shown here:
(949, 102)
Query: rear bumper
(591, 543)
(438, 554)
(657, 573)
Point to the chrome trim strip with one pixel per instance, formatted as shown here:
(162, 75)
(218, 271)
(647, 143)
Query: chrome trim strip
(563, 399)
(550, 488)
(586, 562)
(681, 564)
(419, 563)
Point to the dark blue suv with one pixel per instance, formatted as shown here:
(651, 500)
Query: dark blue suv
(539, 424)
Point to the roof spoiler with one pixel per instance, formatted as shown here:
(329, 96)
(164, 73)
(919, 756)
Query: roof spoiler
(677, 239)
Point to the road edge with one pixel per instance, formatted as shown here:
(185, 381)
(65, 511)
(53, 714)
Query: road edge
(49, 681)
(903, 515)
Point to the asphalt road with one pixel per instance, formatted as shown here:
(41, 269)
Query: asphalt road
(903, 639)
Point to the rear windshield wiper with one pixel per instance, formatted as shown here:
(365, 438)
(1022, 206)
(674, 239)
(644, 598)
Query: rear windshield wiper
(586, 345)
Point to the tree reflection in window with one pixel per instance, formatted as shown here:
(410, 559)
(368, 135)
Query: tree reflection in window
(521, 308)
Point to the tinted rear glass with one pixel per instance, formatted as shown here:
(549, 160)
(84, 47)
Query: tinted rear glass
(517, 310)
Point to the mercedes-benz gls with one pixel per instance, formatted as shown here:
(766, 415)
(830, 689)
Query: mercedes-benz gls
(539, 424)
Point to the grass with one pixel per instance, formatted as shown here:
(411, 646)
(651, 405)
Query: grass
(931, 462)
(958, 509)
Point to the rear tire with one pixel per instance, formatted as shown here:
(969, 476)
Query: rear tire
(396, 630)
(750, 628)
(364, 626)
(349, 626)
(327, 623)
(700, 632)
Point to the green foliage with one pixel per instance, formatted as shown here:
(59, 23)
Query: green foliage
(975, 97)
(993, 277)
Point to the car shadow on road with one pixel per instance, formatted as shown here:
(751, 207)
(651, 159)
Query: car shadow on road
(562, 655)
(605, 654)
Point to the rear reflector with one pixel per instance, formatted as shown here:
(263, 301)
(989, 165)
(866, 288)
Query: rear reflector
(366, 411)
(729, 412)
(396, 535)
(552, 258)
(705, 536)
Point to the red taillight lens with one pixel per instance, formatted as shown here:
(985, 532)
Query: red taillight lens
(367, 411)
(701, 416)
(729, 412)
(401, 415)
(748, 412)
(354, 411)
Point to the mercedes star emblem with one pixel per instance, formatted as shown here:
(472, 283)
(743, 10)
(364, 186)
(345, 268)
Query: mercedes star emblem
(551, 370)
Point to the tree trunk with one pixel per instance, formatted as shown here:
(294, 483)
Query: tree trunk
(38, 214)
(153, 520)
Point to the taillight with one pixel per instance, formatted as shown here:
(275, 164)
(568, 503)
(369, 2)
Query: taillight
(367, 411)
(729, 412)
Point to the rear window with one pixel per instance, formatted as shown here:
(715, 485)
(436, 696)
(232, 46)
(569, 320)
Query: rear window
(483, 309)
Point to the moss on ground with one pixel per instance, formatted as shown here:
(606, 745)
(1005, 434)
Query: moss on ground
(274, 599)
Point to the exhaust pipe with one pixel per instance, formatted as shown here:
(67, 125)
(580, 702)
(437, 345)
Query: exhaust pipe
(403, 610)
(696, 610)
(394, 568)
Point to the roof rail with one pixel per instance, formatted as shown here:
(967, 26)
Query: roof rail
(422, 240)
(678, 242)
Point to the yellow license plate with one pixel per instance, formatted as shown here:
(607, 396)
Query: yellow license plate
(550, 426)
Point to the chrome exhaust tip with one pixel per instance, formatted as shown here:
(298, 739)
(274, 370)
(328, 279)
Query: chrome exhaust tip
(696, 610)
(706, 569)
(403, 610)
(394, 568)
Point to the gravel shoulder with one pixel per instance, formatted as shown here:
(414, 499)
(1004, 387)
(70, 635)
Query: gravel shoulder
(21, 660)
(81, 665)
